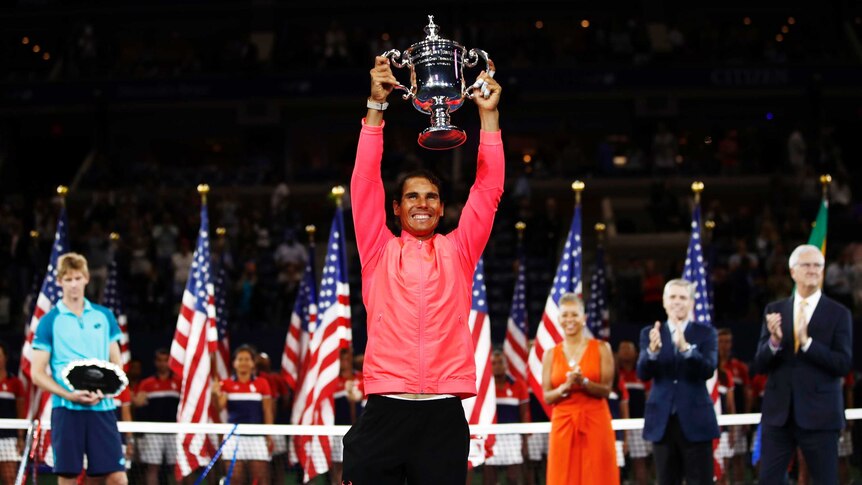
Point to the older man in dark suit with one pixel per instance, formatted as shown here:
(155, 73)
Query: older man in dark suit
(679, 355)
(805, 350)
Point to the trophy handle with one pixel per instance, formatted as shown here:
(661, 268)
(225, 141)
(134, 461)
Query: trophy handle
(471, 60)
(400, 60)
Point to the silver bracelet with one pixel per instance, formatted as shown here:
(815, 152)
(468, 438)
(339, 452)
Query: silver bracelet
(375, 105)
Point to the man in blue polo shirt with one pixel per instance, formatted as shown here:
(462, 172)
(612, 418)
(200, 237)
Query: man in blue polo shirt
(82, 422)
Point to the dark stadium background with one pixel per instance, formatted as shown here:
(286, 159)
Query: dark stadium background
(134, 103)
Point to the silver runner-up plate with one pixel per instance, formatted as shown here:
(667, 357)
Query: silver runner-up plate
(95, 375)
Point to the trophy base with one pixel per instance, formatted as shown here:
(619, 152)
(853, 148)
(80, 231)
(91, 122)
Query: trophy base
(445, 137)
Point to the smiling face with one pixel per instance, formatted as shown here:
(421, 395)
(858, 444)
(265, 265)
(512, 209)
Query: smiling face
(243, 363)
(677, 303)
(572, 318)
(420, 207)
(807, 273)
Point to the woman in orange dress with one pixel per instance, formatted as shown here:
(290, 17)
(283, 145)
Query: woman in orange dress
(576, 377)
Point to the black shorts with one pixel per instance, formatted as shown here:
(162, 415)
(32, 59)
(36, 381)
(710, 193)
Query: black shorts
(92, 433)
(422, 442)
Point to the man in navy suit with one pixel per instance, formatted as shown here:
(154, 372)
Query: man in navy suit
(805, 350)
(679, 356)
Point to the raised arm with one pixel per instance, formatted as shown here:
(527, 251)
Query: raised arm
(477, 217)
(368, 196)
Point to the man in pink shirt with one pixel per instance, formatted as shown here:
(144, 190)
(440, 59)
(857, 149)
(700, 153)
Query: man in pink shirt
(416, 288)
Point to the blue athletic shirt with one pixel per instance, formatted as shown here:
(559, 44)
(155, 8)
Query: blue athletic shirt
(245, 399)
(69, 337)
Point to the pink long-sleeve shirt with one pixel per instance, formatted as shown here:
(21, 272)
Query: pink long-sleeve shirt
(418, 293)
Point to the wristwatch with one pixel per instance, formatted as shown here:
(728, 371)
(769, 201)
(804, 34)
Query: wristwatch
(371, 104)
(585, 381)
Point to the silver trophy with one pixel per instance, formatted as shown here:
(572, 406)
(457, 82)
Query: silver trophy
(438, 88)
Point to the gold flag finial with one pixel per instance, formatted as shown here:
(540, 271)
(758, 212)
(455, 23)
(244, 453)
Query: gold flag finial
(338, 193)
(114, 236)
(578, 187)
(310, 230)
(34, 234)
(520, 226)
(709, 225)
(221, 231)
(697, 188)
(600, 231)
(825, 180)
(62, 191)
(203, 190)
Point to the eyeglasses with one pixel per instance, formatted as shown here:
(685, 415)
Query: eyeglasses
(810, 265)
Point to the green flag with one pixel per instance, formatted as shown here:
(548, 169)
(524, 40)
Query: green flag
(818, 231)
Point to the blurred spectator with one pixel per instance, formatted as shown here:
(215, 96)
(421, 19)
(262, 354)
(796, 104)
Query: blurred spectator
(664, 207)
(839, 273)
(796, 150)
(248, 295)
(652, 287)
(742, 256)
(628, 285)
(335, 50)
(664, 149)
(728, 153)
(98, 254)
(181, 264)
(165, 235)
(290, 260)
(856, 279)
(87, 52)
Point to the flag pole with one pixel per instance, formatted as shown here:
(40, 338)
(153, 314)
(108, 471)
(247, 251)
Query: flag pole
(697, 188)
(203, 190)
(578, 187)
(62, 191)
(825, 181)
(338, 194)
(600, 232)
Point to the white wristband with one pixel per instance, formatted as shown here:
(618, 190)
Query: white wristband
(375, 105)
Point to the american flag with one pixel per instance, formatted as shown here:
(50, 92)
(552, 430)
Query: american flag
(302, 320)
(695, 272)
(195, 340)
(515, 345)
(481, 409)
(315, 397)
(566, 280)
(222, 356)
(36, 401)
(113, 300)
(598, 318)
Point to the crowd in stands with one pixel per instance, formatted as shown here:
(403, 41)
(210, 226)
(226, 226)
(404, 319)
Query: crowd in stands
(263, 248)
(96, 48)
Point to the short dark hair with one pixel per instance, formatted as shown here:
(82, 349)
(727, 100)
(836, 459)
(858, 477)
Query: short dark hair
(162, 350)
(418, 173)
(725, 331)
(245, 348)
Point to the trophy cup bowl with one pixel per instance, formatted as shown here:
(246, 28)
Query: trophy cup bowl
(95, 375)
(437, 84)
